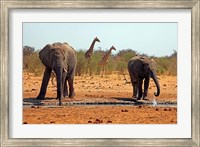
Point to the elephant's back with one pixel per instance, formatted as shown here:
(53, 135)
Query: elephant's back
(69, 52)
(66, 48)
(134, 61)
(135, 65)
(142, 58)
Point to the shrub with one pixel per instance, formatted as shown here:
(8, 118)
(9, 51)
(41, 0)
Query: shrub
(122, 58)
(126, 54)
(33, 64)
(27, 50)
(166, 65)
(81, 63)
(95, 69)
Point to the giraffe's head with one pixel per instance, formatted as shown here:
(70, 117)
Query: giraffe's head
(96, 39)
(113, 48)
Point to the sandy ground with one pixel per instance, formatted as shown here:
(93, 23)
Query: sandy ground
(111, 88)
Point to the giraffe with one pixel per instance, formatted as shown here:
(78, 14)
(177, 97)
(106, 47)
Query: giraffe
(88, 54)
(104, 60)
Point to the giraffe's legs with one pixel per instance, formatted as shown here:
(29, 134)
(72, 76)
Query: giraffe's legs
(105, 70)
(90, 71)
(102, 69)
(88, 68)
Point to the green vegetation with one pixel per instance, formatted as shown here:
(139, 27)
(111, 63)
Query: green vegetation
(31, 61)
(117, 63)
(167, 65)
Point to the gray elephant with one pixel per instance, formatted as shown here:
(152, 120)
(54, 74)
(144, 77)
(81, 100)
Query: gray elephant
(61, 58)
(142, 68)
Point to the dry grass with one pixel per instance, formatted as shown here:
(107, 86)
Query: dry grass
(166, 65)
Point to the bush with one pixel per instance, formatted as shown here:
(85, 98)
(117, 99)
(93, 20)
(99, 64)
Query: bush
(27, 50)
(126, 54)
(95, 69)
(122, 59)
(33, 64)
(166, 65)
(81, 63)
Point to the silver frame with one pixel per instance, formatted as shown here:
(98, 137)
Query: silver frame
(6, 5)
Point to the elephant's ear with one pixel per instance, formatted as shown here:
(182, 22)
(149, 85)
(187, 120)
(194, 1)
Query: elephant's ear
(44, 55)
(146, 67)
(154, 65)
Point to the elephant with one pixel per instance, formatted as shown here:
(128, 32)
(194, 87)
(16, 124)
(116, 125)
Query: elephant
(61, 59)
(142, 68)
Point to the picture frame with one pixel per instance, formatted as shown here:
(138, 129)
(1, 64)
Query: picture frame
(87, 4)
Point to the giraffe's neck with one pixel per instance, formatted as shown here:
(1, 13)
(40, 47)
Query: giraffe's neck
(107, 55)
(109, 52)
(92, 46)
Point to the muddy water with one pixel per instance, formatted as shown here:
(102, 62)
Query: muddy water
(55, 104)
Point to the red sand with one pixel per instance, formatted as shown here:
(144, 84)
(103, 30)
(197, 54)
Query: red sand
(108, 88)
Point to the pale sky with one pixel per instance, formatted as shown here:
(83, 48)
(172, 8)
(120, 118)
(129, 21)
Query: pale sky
(158, 39)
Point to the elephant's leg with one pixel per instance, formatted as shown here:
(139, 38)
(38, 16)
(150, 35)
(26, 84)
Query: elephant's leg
(134, 84)
(71, 87)
(65, 88)
(45, 80)
(146, 87)
(139, 88)
(71, 84)
(135, 90)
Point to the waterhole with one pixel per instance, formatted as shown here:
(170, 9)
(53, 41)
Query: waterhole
(28, 103)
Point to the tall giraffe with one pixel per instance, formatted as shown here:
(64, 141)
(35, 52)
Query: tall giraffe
(104, 60)
(88, 54)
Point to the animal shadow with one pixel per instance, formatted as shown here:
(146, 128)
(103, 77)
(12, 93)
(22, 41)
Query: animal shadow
(131, 100)
(125, 99)
(34, 101)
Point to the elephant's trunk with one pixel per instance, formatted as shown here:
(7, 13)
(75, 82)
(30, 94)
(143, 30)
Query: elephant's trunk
(153, 76)
(58, 72)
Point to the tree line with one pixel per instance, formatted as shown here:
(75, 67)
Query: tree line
(166, 65)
